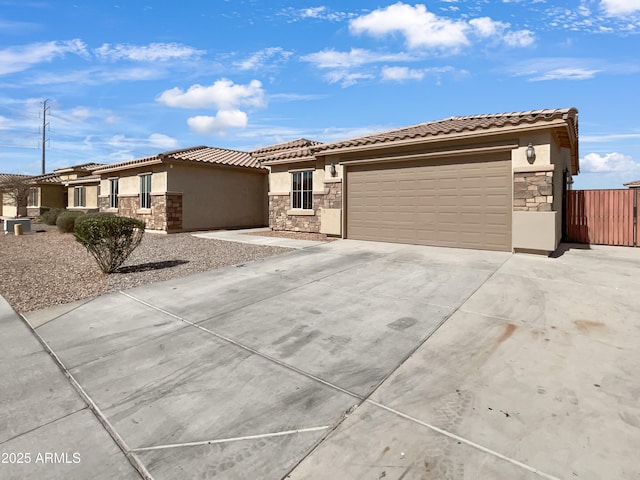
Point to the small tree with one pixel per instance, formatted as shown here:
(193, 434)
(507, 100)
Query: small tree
(108, 238)
(16, 187)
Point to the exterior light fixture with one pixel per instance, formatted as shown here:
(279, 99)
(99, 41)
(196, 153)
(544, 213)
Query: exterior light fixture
(332, 169)
(531, 153)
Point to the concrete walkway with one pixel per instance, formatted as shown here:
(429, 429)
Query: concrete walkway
(244, 236)
(47, 429)
(346, 360)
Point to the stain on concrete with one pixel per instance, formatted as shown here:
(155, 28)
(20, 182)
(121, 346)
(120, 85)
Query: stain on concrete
(403, 323)
(509, 328)
(589, 326)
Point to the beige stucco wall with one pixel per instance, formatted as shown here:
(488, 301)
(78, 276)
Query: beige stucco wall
(535, 231)
(91, 196)
(280, 176)
(52, 196)
(219, 197)
(129, 180)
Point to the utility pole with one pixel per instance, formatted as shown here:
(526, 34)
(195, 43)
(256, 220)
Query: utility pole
(45, 107)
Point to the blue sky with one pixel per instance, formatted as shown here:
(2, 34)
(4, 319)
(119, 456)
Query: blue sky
(132, 78)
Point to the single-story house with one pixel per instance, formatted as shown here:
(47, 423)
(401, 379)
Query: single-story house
(191, 189)
(74, 188)
(492, 182)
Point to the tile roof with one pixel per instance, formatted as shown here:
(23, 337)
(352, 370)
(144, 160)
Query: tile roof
(7, 176)
(295, 150)
(201, 154)
(85, 179)
(454, 125)
(47, 178)
(87, 167)
(285, 146)
(634, 184)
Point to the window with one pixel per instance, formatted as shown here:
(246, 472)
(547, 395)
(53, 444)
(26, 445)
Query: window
(33, 197)
(79, 197)
(113, 193)
(302, 190)
(145, 191)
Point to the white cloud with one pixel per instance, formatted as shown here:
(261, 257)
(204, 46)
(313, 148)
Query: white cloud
(399, 74)
(20, 58)
(609, 163)
(319, 13)
(615, 8)
(424, 29)
(224, 120)
(420, 27)
(355, 57)
(558, 68)
(223, 94)
(565, 74)
(346, 78)
(259, 59)
(162, 141)
(96, 76)
(487, 27)
(520, 38)
(156, 141)
(154, 52)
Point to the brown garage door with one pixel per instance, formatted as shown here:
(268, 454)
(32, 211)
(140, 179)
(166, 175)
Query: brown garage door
(463, 202)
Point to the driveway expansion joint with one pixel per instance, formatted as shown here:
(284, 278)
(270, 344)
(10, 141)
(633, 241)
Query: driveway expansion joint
(102, 419)
(232, 439)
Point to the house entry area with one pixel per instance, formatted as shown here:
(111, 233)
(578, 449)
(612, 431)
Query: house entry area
(461, 202)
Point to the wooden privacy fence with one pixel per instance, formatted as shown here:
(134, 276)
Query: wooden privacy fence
(602, 217)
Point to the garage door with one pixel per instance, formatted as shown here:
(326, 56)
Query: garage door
(463, 202)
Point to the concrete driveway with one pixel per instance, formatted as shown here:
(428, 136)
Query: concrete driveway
(364, 360)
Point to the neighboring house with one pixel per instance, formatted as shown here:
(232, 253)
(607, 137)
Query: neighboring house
(459, 182)
(8, 207)
(635, 184)
(71, 187)
(192, 189)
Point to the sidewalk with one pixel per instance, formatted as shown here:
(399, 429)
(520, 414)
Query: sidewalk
(242, 236)
(47, 430)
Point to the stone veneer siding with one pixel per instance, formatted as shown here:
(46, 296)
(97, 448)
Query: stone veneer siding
(533, 191)
(165, 213)
(332, 195)
(279, 205)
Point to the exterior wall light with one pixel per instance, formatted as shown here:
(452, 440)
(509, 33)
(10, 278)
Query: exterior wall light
(332, 169)
(531, 153)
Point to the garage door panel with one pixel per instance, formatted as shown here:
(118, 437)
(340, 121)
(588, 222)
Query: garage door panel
(454, 202)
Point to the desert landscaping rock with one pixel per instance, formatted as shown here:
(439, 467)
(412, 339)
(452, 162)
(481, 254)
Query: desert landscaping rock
(47, 268)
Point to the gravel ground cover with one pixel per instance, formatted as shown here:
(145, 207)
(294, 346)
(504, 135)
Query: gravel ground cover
(46, 268)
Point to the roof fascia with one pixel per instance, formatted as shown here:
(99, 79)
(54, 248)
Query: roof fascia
(446, 137)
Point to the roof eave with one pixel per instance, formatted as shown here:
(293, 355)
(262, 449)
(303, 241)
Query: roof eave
(130, 166)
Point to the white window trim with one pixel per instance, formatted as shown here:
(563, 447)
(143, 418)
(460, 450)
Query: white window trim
(111, 196)
(302, 191)
(146, 194)
(81, 197)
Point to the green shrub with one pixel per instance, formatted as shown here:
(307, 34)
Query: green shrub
(108, 238)
(66, 221)
(51, 216)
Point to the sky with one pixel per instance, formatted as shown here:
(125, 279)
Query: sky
(133, 78)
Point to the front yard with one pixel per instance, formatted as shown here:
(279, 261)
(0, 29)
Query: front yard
(46, 268)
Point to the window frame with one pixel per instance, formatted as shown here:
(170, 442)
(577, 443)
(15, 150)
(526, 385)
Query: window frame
(145, 190)
(302, 190)
(113, 192)
(32, 200)
(79, 196)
